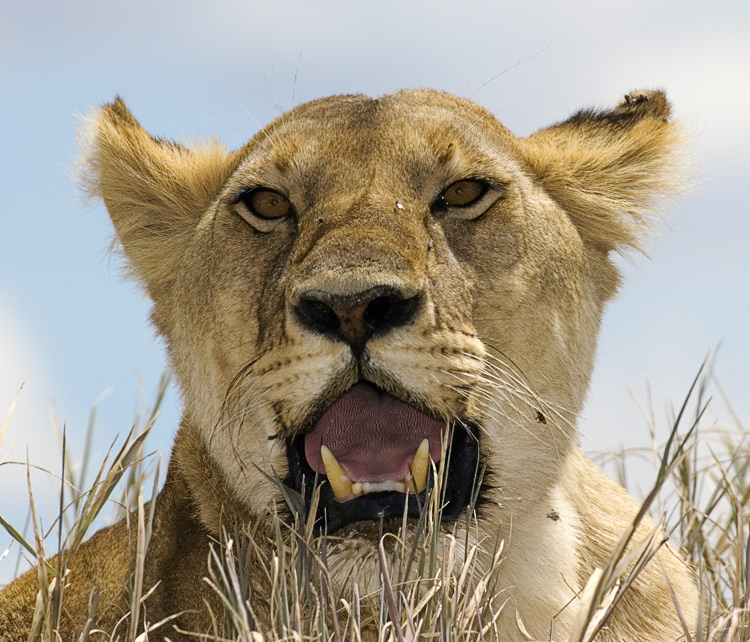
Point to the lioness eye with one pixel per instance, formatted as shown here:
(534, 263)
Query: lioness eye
(266, 203)
(463, 193)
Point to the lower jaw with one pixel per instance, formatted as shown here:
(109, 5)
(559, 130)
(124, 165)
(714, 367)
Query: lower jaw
(460, 486)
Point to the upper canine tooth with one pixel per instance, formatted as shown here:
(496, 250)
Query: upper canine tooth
(419, 467)
(340, 483)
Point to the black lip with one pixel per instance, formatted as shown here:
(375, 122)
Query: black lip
(461, 481)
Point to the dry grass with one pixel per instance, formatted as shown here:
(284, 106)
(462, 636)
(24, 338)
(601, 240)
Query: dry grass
(701, 494)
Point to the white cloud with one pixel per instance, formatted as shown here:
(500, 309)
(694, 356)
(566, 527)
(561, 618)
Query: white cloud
(23, 380)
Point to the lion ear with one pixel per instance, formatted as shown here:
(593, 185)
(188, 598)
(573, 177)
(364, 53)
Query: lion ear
(612, 170)
(156, 191)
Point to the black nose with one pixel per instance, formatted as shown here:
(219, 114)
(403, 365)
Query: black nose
(355, 318)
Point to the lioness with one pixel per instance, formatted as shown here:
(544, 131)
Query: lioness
(368, 288)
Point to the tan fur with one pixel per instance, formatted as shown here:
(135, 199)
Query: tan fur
(506, 335)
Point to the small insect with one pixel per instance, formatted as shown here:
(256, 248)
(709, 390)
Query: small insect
(553, 515)
(540, 418)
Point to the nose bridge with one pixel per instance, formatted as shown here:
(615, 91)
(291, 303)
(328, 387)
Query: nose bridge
(361, 276)
(362, 246)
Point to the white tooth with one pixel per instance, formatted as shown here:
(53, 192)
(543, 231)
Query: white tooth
(357, 489)
(340, 483)
(419, 467)
(381, 486)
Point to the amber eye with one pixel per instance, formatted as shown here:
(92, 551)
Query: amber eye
(266, 203)
(463, 193)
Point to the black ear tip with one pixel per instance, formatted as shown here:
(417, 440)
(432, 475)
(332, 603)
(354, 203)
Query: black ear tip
(645, 102)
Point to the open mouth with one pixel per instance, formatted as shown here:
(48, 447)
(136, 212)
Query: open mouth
(376, 453)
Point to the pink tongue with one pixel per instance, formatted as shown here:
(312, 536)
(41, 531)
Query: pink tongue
(372, 435)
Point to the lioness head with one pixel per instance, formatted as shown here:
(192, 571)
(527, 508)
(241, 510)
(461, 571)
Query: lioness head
(371, 285)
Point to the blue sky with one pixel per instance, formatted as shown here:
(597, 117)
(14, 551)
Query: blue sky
(74, 330)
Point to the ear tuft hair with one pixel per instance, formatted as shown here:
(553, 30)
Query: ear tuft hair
(612, 171)
(155, 191)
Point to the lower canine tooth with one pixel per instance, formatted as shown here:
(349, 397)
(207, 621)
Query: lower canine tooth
(419, 467)
(340, 483)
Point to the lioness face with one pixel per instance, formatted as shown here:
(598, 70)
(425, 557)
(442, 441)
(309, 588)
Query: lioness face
(373, 285)
(364, 283)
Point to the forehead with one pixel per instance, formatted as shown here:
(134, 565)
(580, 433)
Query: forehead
(412, 131)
